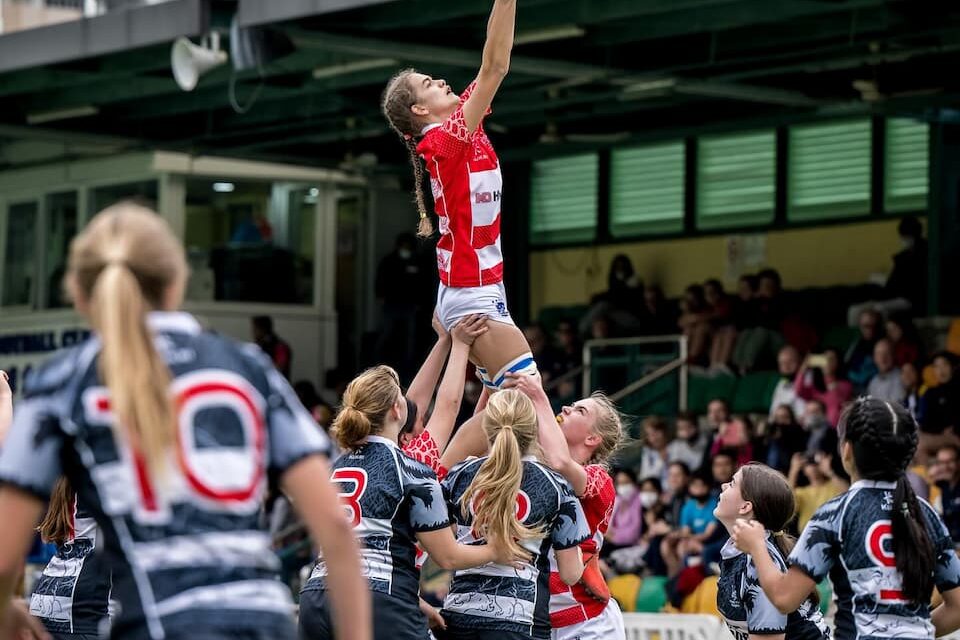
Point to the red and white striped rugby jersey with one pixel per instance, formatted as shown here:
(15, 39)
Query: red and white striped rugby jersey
(466, 182)
(570, 605)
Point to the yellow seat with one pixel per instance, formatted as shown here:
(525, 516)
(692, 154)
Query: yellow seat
(624, 590)
(953, 337)
(703, 599)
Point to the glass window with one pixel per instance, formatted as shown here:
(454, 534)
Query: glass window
(143, 192)
(907, 164)
(250, 241)
(647, 189)
(829, 170)
(736, 179)
(62, 224)
(18, 258)
(563, 199)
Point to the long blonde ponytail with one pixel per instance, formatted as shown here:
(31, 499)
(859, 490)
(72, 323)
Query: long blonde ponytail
(510, 422)
(124, 264)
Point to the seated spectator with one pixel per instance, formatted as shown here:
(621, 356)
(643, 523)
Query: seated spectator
(541, 349)
(945, 474)
(675, 494)
(743, 307)
(940, 406)
(697, 524)
(912, 391)
(658, 317)
(626, 521)
(722, 467)
(821, 378)
(887, 384)
(653, 463)
(721, 324)
(633, 558)
(718, 413)
(785, 393)
(818, 427)
(785, 438)
(734, 437)
(905, 289)
(568, 356)
(622, 301)
(859, 357)
(758, 344)
(272, 344)
(823, 484)
(694, 323)
(690, 445)
(903, 334)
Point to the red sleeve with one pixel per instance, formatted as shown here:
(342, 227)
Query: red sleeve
(424, 449)
(455, 127)
(598, 499)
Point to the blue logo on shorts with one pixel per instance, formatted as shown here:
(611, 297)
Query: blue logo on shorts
(501, 307)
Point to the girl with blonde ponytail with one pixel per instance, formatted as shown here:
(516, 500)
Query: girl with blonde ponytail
(393, 502)
(510, 498)
(166, 432)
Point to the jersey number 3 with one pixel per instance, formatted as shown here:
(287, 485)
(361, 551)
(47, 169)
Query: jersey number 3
(355, 480)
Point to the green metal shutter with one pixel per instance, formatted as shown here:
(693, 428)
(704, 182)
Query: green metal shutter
(647, 189)
(563, 199)
(736, 179)
(907, 162)
(829, 170)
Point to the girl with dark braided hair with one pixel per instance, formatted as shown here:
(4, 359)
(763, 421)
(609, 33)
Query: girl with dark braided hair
(882, 546)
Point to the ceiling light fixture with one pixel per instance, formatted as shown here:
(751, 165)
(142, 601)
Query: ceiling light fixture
(335, 70)
(549, 34)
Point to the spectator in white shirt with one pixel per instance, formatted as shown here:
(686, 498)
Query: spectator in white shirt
(653, 463)
(788, 363)
(690, 445)
(886, 385)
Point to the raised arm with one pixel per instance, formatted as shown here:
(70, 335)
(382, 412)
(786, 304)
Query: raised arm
(20, 513)
(447, 405)
(556, 453)
(421, 389)
(495, 63)
(6, 406)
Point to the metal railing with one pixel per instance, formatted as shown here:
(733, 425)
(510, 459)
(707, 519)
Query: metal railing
(678, 363)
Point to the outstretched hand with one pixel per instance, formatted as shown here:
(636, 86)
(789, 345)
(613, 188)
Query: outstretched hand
(469, 328)
(749, 536)
(529, 384)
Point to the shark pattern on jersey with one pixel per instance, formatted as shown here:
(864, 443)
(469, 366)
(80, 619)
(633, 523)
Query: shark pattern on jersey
(188, 552)
(747, 610)
(849, 538)
(507, 598)
(389, 497)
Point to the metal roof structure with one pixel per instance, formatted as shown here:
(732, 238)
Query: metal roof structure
(584, 73)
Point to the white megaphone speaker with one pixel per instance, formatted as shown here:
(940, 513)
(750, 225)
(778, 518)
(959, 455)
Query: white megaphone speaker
(190, 61)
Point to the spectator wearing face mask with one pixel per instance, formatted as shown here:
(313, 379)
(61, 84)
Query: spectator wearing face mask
(626, 522)
(785, 437)
(633, 558)
(697, 525)
(689, 445)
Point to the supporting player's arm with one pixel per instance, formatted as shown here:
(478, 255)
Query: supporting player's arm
(556, 453)
(495, 63)
(786, 591)
(570, 565)
(20, 512)
(946, 617)
(421, 389)
(451, 556)
(307, 484)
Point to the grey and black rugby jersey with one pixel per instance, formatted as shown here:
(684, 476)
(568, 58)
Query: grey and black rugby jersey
(850, 538)
(188, 554)
(73, 593)
(390, 497)
(746, 608)
(507, 598)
